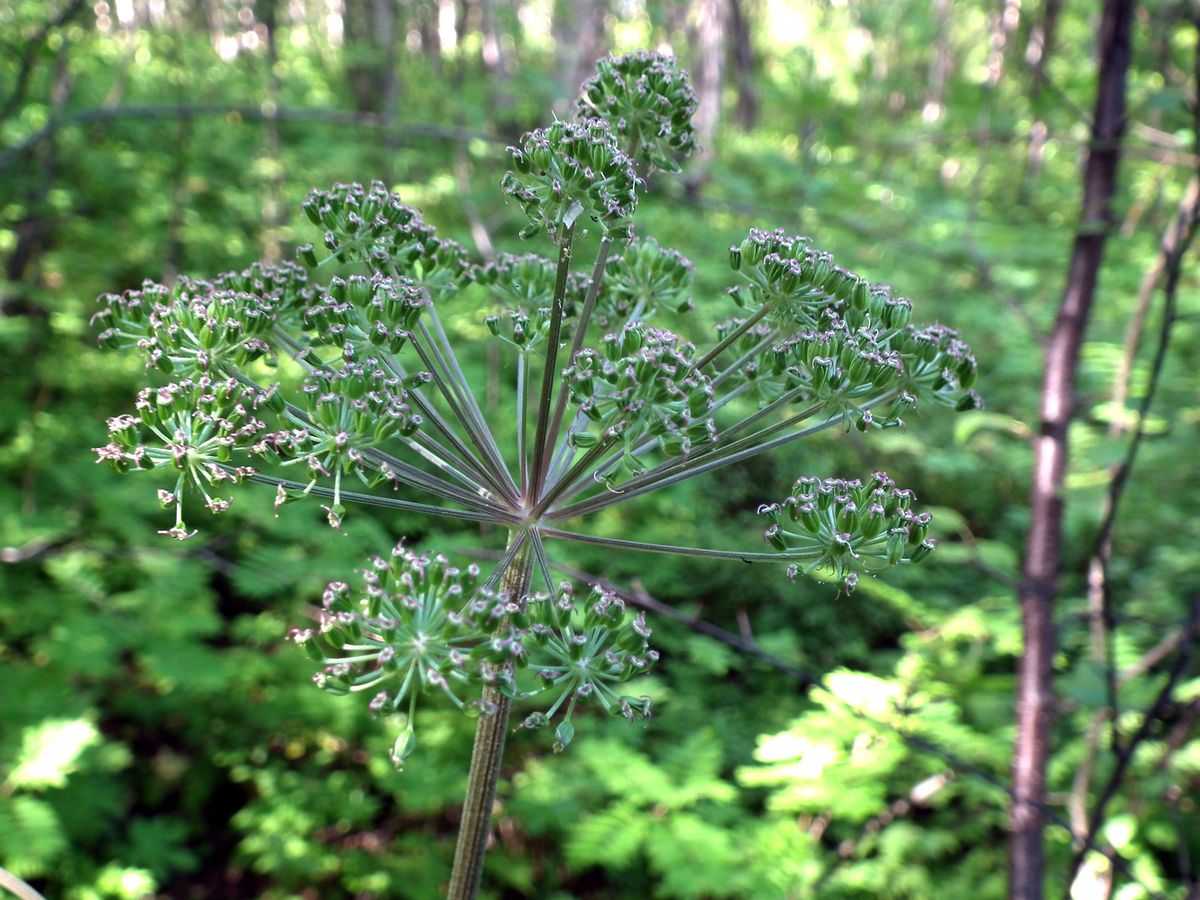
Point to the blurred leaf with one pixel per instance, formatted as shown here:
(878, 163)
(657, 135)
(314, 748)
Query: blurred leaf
(50, 751)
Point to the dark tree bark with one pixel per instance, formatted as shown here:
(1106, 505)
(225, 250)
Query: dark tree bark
(745, 67)
(1039, 583)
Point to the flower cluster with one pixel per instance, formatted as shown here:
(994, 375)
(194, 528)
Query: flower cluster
(845, 527)
(526, 331)
(422, 625)
(649, 102)
(523, 285)
(379, 389)
(355, 407)
(380, 309)
(572, 169)
(526, 282)
(644, 384)
(644, 278)
(840, 369)
(585, 652)
(855, 345)
(940, 366)
(372, 225)
(195, 427)
(199, 326)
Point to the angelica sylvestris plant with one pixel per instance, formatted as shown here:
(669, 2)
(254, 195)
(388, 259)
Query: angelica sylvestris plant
(334, 380)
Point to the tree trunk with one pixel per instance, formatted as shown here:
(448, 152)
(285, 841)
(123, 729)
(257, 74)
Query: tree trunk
(371, 39)
(708, 57)
(744, 66)
(579, 40)
(1039, 583)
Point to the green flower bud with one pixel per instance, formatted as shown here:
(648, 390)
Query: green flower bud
(404, 747)
(563, 735)
(923, 550)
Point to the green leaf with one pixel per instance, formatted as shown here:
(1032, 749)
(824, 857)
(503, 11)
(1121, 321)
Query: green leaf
(610, 838)
(50, 751)
(31, 836)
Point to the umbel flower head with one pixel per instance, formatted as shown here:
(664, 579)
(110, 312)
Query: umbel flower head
(420, 625)
(649, 102)
(643, 383)
(848, 527)
(644, 279)
(340, 370)
(572, 169)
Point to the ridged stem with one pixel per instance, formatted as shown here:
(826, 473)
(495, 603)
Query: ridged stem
(488, 753)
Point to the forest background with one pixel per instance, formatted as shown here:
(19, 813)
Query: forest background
(158, 738)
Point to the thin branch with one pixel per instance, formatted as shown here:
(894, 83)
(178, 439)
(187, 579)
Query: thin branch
(19, 888)
(727, 341)
(457, 394)
(405, 472)
(1126, 753)
(489, 448)
(585, 317)
(673, 550)
(495, 516)
(542, 559)
(655, 479)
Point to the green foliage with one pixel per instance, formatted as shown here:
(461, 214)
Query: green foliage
(210, 745)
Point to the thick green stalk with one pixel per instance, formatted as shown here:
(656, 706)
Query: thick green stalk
(486, 757)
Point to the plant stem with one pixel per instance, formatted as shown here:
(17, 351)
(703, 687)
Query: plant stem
(737, 332)
(585, 316)
(19, 888)
(486, 757)
(550, 371)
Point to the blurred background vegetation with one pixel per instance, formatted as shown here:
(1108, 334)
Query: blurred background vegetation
(157, 738)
